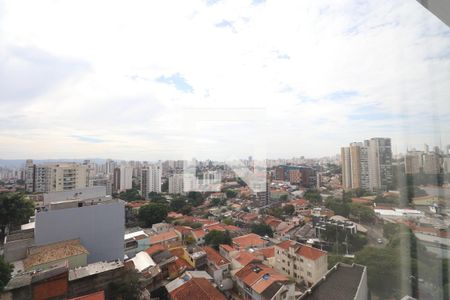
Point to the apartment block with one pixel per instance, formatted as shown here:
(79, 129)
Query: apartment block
(301, 262)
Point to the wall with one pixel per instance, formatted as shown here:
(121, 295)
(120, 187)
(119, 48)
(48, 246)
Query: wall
(17, 250)
(56, 287)
(100, 228)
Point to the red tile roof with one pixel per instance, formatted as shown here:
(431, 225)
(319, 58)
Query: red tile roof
(226, 247)
(155, 249)
(215, 256)
(94, 296)
(162, 237)
(197, 288)
(248, 240)
(285, 244)
(259, 276)
(244, 258)
(267, 252)
(310, 252)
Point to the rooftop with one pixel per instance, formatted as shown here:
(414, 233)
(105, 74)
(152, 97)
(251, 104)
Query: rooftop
(162, 237)
(302, 249)
(197, 288)
(95, 268)
(261, 277)
(215, 256)
(94, 296)
(248, 240)
(340, 283)
(53, 252)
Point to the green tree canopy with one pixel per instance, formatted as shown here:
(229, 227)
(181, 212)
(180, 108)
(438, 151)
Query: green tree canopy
(130, 195)
(5, 273)
(152, 213)
(313, 196)
(126, 288)
(15, 209)
(262, 230)
(362, 213)
(214, 238)
(195, 198)
(230, 194)
(339, 206)
(289, 209)
(383, 270)
(178, 203)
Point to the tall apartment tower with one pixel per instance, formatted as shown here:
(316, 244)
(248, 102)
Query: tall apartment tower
(380, 163)
(116, 180)
(151, 180)
(126, 177)
(176, 184)
(346, 168)
(58, 177)
(367, 165)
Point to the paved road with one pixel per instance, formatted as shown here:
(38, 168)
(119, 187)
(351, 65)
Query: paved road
(375, 232)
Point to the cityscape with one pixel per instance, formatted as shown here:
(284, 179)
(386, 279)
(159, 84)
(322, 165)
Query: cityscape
(224, 149)
(143, 230)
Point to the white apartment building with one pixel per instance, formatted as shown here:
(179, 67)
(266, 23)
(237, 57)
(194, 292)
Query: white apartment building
(58, 177)
(176, 184)
(126, 177)
(301, 262)
(151, 180)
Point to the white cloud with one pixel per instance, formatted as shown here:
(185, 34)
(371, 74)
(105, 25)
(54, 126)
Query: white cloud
(325, 72)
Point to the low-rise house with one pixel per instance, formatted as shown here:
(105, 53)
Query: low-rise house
(42, 284)
(258, 281)
(195, 256)
(135, 242)
(145, 265)
(161, 227)
(342, 282)
(196, 288)
(226, 250)
(247, 241)
(170, 238)
(299, 204)
(16, 245)
(217, 265)
(43, 257)
(301, 262)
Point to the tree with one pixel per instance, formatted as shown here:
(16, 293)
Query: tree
(15, 209)
(340, 207)
(230, 194)
(218, 202)
(362, 213)
(262, 230)
(313, 196)
(177, 203)
(195, 198)
(131, 195)
(283, 198)
(165, 186)
(126, 288)
(5, 273)
(152, 213)
(289, 209)
(383, 270)
(156, 197)
(228, 221)
(214, 238)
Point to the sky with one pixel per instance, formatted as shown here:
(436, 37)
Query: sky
(149, 80)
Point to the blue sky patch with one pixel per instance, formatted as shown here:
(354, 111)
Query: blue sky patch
(177, 81)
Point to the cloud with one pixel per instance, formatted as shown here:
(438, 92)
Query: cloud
(177, 81)
(27, 72)
(325, 72)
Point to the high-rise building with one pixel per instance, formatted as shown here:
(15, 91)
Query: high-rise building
(126, 177)
(176, 184)
(346, 168)
(151, 180)
(57, 177)
(367, 165)
(380, 163)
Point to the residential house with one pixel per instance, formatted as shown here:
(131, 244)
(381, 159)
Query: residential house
(258, 281)
(218, 266)
(247, 241)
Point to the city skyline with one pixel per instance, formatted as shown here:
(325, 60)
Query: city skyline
(145, 96)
